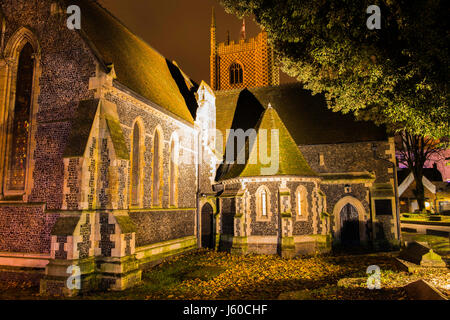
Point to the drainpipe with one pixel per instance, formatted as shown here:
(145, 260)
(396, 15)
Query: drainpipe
(199, 157)
(397, 202)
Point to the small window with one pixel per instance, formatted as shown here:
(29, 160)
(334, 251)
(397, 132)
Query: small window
(263, 203)
(262, 198)
(321, 159)
(236, 74)
(301, 199)
(383, 207)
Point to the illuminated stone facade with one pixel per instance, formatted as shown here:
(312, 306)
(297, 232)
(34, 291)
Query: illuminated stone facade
(95, 183)
(74, 202)
(328, 184)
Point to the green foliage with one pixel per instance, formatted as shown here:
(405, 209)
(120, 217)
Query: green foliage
(396, 75)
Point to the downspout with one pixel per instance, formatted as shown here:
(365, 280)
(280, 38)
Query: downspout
(397, 201)
(198, 194)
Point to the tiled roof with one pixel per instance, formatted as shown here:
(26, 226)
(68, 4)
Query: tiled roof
(290, 161)
(137, 65)
(306, 117)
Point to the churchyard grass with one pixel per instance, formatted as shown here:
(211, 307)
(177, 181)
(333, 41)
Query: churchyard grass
(205, 274)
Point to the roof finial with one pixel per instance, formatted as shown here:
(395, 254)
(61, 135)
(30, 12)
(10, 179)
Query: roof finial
(243, 35)
(213, 17)
(269, 106)
(228, 36)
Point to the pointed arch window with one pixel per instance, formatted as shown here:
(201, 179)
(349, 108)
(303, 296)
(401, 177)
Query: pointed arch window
(156, 175)
(301, 202)
(173, 178)
(136, 166)
(20, 122)
(262, 202)
(236, 74)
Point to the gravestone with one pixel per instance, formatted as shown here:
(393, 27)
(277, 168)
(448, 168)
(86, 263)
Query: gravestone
(421, 254)
(422, 290)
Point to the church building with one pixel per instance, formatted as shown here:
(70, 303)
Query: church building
(113, 159)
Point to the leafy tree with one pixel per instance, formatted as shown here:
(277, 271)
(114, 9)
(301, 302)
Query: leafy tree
(413, 152)
(396, 75)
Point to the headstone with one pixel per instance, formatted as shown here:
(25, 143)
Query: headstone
(422, 290)
(421, 254)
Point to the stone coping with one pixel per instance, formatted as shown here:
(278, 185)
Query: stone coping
(164, 243)
(29, 260)
(25, 255)
(430, 223)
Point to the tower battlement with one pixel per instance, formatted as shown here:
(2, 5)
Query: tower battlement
(247, 63)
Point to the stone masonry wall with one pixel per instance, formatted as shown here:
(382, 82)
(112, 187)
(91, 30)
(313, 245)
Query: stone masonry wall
(270, 227)
(158, 226)
(25, 228)
(228, 211)
(351, 157)
(128, 114)
(302, 226)
(348, 157)
(67, 64)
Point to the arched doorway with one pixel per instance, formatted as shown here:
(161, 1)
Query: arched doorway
(207, 229)
(349, 225)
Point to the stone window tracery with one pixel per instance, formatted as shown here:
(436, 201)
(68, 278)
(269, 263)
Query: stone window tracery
(236, 74)
(20, 122)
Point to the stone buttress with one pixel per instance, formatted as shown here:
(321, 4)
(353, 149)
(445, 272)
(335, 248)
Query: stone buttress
(94, 236)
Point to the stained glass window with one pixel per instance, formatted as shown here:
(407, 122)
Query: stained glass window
(18, 157)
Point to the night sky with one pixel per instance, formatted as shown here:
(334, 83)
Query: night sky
(179, 29)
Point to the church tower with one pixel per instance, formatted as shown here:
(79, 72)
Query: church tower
(249, 63)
